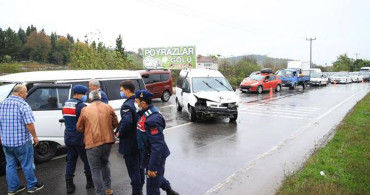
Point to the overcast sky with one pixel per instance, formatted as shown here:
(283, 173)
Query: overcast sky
(276, 28)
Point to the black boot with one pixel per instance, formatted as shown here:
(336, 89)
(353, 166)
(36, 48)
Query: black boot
(138, 193)
(171, 192)
(70, 186)
(89, 182)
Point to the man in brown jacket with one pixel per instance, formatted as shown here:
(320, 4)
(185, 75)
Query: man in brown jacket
(97, 121)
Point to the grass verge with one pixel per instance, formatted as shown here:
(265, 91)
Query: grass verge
(345, 160)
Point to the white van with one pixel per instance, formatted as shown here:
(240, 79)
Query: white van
(44, 86)
(206, 94)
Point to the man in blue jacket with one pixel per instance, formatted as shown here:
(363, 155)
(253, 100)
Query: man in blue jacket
(73, 139)
(152, 145)
(128, 139)
(95, 85)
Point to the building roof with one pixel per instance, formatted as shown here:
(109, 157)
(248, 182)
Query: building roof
(203, 59)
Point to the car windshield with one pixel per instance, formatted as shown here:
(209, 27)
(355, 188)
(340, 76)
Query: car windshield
(211, 84)
(5, 90)
(256, 78)
(285, 73)
(315, 75)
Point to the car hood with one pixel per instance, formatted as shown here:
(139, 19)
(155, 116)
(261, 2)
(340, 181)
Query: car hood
(316, 79)
(249, 82)
(220, 97)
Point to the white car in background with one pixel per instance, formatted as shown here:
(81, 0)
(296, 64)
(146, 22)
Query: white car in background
(341, 77)
(356, 77)
(318, 79)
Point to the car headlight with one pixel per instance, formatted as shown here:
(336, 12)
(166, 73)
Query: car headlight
(254, 84)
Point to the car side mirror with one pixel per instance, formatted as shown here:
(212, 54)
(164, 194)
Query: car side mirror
(234, 88)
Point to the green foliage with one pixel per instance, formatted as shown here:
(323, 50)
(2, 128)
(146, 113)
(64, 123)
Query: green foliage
(39, 45)
(10, 67)
(343, 63)
(235, 72)
(86, 57)
(119, 47)
(360, 63)
(345, 160)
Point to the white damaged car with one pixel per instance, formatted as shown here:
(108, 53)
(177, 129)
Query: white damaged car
(206, 94)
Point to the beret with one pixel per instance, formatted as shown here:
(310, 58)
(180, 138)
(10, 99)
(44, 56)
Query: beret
(143, 94)
(80, 89)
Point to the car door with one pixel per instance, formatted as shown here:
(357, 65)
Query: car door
(46, 102)
(179, 84)
(272, 81)
(155, 87)
(186, 93)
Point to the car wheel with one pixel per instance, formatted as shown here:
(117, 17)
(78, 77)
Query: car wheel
(166, 96)
(304, 85)
(233, 119)
(179, 108)
(45, 151)
(278, 88)
(192, 114)
(259, 89)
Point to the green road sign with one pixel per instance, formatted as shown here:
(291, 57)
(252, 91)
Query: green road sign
(170, 57)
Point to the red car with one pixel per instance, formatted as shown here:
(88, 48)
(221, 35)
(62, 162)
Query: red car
(158, 82)
(261, 82)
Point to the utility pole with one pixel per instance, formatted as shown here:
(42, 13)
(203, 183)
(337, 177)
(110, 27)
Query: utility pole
(356, 54)
(310, 39)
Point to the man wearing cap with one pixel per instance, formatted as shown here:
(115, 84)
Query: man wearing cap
(126, 132)
(73, 139)
(152, 145)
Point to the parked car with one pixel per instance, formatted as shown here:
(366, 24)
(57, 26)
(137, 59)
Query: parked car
(356, 77)
(318, 79)
(158, 82)
(206, 94)
(261, 82)
(341, 77)
(292, 78)
(45, 85)
(365, 71)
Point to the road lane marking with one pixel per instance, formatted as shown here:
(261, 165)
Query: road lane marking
(173, 105)
(282, 116)
(295, 134)
(185, 124)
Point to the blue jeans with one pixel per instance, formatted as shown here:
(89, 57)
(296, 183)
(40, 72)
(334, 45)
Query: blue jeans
(24, 155)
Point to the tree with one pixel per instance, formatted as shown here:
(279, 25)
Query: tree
(23, 38)
(343, 63)
(84, 56)
(39, 45)
(30, 29)
(2, 45)
(64, 48)
(235, 72)
(70, 38)
(119, 47)
(360, 63)
(13, 44)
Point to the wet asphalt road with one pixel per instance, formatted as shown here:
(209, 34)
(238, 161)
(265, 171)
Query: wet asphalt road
(272, 136)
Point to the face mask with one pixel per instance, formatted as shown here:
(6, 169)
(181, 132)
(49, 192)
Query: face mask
(122, 95)
(84, 98)
(137, 107)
